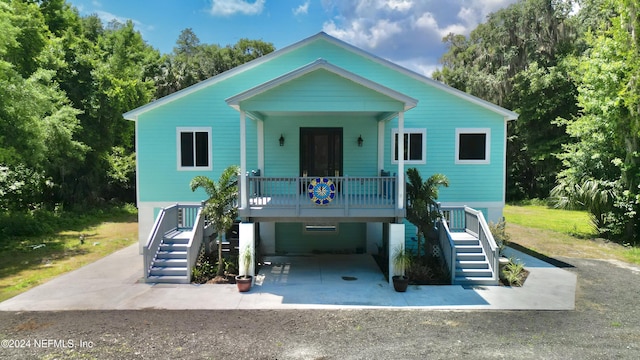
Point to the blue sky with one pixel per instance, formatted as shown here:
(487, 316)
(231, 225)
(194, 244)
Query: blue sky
(408, 32)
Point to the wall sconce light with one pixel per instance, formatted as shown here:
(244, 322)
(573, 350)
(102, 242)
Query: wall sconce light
(360, 141)
(281, 140)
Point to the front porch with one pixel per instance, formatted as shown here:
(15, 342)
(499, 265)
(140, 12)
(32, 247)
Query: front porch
(372, 199)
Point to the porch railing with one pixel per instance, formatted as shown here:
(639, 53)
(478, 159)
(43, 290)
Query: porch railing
(350, 192)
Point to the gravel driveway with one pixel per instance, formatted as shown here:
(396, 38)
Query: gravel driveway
(605, 325)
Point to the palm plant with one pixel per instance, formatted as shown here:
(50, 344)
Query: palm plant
(422, 208)
(595, 196)
(220, 208)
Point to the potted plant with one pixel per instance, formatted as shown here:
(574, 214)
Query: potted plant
(401, 261)
(244, 259)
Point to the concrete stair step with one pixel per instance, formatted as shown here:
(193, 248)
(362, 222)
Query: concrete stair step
(168, 279)
(478, 273)
(472, 264)
(469, 249)
(467, 242)
(173, 247)
(471, 257)
(168, 271)
(171, 255)
(459, 280)
(170, 262)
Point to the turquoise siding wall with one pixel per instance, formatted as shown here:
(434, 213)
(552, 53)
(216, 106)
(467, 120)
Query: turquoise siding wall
(285, 160)
(350, 238)
(159, 178)
(321, 90)
(439, 112)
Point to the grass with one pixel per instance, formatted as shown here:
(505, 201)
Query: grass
(26, 262)
(575, 223)
(555, 232)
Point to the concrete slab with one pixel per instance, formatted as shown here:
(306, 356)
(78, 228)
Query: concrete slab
(303, 282)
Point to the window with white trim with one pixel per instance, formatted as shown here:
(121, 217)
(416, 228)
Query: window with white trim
(194, 148)
(473, 146)
(415, 146)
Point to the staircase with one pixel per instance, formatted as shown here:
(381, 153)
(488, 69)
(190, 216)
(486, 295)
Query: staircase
(469, 249)
(472, 266)
(170, 263)
(174, 244)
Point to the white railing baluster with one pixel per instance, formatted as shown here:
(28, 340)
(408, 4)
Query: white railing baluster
(352, 194)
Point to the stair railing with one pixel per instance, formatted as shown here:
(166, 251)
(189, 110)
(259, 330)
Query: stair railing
(167, 220)
(193, 247)
(477, 226)
(448, 247)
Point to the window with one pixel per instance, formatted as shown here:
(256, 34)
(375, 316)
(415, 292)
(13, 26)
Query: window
(473, 146)
(194, 148)
(415, 146)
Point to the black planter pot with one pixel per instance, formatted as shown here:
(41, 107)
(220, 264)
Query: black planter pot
(400, 283)
(244, 282)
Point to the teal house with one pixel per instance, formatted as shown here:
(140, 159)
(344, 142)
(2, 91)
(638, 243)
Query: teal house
(323, 133)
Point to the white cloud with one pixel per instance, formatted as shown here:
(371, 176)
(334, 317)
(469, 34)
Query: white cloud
(408, 32)
(232, 7)
(303, 9)
(107, 17)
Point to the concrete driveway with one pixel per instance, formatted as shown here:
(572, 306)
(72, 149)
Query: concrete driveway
(314, 282)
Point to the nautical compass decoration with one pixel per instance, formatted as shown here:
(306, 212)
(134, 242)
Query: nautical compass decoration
(321, 191)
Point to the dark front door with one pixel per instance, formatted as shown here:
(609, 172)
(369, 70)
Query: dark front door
(321, 151)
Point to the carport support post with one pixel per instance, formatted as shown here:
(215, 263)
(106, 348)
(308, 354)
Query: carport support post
(396, 242)
(247, 237)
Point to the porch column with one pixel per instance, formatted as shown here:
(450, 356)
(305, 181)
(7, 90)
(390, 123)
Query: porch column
(247, 237)
(396, 243)
(243, 160)
(401, 160)
(260, 143)
(380, 146)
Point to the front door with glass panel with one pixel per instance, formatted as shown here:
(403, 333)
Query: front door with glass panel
(321, 151)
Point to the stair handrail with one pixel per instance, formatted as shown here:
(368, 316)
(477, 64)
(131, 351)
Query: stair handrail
(448, 246)
(195, 241)
(485, 237)
(166, 220)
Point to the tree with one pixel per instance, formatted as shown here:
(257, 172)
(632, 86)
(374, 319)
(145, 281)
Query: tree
(220, 208)
(605, 158)
(516, 60)
(191, 61)
(422, 208)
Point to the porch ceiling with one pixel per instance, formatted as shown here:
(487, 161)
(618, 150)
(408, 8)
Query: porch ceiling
(321, 88)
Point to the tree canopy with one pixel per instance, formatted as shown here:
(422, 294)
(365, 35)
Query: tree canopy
(572, 75)
(65, 81)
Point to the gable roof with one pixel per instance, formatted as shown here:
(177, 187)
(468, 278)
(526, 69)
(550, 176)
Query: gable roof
(133, 114)
(235, 100)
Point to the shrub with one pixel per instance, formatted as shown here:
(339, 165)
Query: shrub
(500, 235)
(513, 273)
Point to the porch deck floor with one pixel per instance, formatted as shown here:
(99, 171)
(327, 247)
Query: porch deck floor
(303, 200)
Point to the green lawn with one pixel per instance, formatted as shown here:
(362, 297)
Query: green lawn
(555, 232)
(570, 222)
(26, 262)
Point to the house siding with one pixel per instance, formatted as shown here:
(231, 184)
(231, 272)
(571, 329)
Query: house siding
(292, 239)
(314, 100)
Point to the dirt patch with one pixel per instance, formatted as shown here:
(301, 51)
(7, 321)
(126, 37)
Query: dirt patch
(225, 279)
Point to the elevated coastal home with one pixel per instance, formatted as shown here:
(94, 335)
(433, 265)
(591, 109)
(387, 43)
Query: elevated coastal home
(323, 133)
